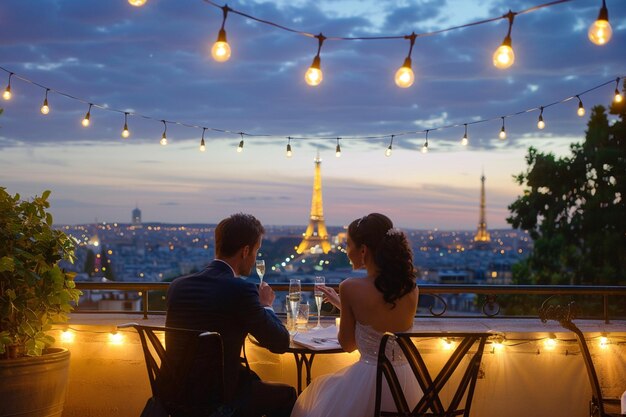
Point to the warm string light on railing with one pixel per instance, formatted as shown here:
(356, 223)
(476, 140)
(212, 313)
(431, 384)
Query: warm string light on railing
(618, 96)
(240, 147)
(289, 153)
(314, 75)
(137, 3)
(338, 149)
(404, 76)
(504, 56)
(87, 119)
(465, 140)
(163, 141)
(389, 148)
(125, 131)
(202, 145)
(221, 49)
(600, 31)
(45, 109)
(502, 134)
(7, 91)
(581, 109)
(541, 124)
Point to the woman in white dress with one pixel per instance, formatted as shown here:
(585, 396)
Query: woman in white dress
(383, 301)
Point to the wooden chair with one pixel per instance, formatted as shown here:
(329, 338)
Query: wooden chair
(187, 380)
(430, 404)
(565, 317)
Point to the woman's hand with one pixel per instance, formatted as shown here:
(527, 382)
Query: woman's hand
(330, 295)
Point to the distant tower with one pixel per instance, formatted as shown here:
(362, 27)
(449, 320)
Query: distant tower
(316, 235)
(136, 216)
(482, 235)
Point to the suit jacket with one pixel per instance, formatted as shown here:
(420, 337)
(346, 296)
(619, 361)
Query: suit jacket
(214, 300)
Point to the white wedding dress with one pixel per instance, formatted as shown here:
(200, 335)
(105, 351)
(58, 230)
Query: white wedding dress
(351, 391)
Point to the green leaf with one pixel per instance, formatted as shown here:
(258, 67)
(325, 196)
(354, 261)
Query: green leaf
(7, 264)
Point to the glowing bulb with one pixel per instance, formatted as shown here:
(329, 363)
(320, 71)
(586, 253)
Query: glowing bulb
(464, 141)
(86, 121)
(550, 343)
(137, 3)
(289, 153)
(125, 131)
(540, 123)
(220, 51)
(163, 141)
(67, 336)
(405, 76)
(618, 97)
(338, 151)
(45, 109)
(502, 133)
(447, 344)
(581, 109)
(314, 75)
(7, 93)
(116, 338)
(425, 147)
(202, 146)
(388, 151)
(600, 32)
(504, 56)
(240, 147)
(604, 342)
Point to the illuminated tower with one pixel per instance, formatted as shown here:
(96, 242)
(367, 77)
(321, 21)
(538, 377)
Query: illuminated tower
(136, 216)
(482, 235)
(316, 236)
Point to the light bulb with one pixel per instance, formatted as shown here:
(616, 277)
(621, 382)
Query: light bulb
(125, 131)
(67, 336)
(550, 343)
(405, 76)
(289, 153)
(540, 123)
(7, 93)
(86, 121)
(137, 3)
(581, 109)
(220, 51)
(388, 151)
(502, 133)
(163, 140)
(464, 141)
(314, 75)
(240, 147)
(618, 97)
(45, 109)
(202, 146)
(338, 151)
(425, 147)
(600, 32)
(504, 56)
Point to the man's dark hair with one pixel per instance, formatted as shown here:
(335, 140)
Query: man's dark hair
(235, 232)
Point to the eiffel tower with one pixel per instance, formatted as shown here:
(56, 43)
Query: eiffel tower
(482, 235)
(316, 236)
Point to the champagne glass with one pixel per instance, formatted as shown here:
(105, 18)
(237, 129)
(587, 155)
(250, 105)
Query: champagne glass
(319, 298)
(260, 269)
(295, 294)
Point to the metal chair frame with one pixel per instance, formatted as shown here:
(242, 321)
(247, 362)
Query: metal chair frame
(430, 404)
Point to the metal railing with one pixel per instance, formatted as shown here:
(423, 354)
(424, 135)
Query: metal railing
(490, 304)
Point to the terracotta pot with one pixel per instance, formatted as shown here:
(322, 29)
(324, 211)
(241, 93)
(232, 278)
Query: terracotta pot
(34, 386)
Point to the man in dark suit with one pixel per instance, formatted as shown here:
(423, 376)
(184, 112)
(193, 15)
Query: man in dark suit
(216, 299)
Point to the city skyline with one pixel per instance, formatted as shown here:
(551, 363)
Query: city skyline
(155, 61)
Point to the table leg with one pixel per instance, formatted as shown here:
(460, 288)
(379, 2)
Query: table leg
(302, 359)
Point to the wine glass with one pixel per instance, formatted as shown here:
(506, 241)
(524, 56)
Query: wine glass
(260, 269)
(294, 297)
(319, 298)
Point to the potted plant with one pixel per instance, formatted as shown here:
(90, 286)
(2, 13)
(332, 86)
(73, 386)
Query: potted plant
(34, 293)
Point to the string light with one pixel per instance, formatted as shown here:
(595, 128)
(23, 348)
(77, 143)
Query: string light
(600, 31)
(240, 147)
(404, 76)
(137, 3)
(550, 343)
(314, 75)
(86, 119)
(125, 131)
(45, 109)
(502, 131)
(164, 136)
(7, 91)
(67, 336)
(116, 338)
(338, 149)
(447, 344)
(604, 342)
(504, 56)
(425, 147)
(581, 109)
(540, 123)
(289, 153)
(465, 141)
(388, 150)
(618, 96)
(221, 49)
(202, 146)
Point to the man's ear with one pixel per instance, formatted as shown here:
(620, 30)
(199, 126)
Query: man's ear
(245, 251)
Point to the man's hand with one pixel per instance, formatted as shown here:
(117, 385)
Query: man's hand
(266, 295)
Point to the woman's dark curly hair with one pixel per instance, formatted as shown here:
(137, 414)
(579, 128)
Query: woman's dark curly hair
(392, 254)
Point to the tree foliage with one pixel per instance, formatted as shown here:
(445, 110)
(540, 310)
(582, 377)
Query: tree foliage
(574, 208)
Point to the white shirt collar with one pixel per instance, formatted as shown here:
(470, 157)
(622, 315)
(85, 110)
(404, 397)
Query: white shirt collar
(231, 268)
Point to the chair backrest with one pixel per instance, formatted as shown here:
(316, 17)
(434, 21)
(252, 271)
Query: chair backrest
(187, 374)
(430, 403)
(565, 317)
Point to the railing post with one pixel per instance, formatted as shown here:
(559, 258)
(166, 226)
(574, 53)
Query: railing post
(144, 299)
